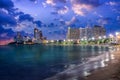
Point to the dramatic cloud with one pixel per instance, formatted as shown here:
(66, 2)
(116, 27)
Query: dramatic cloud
(25, 17)
(81, 7)
(54, 2)
(62, 10)
(5, 33)
(104, 21)
(71, 21)
(38, 23)
(7, 4)
(54, 16)
(25, 26)
(6, 18)
(112, 3)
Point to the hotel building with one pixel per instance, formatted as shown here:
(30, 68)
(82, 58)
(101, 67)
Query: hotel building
(98, 31)
(86, 33)
(73, 34)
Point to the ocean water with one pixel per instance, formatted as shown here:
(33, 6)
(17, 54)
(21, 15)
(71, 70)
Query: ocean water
(39, 62)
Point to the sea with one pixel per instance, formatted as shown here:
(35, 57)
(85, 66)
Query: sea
(47, 62)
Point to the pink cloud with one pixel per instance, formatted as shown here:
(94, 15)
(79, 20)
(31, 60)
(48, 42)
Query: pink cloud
(81, 7)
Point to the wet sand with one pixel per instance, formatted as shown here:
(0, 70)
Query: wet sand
(110, 72)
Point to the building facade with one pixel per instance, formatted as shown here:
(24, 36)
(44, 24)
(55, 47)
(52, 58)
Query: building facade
(18, 38)
(87, 33)
(98, 31)
(73, 33)
(38, 36)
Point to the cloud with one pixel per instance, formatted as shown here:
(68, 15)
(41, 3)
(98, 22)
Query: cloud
(7, 4)
(6, 18)
(112, 3)
(25, 17)
(62, 10)
(5, 33)
(54, 2)
(81, 7)
(54, 13)
(104, 21)
(73, 19)
(51, 2)
(24, 26)
(38, 23)
(62, 21)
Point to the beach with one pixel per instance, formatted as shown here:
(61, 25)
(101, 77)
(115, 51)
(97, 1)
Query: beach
(110, 72)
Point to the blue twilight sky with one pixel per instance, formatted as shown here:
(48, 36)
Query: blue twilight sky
(53, 17)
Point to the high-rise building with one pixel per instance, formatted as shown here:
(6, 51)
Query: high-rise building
(18, 38)
(98, 31)
(82, 33)
(36, 33)
(86, 33)
(40, 35)
(73, 33)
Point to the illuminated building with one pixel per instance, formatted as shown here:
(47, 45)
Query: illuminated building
(73, 33)
(82, 33)
(86, 33)
(117, 37)
(38, 36)
(98, 31)
(36, 33)
(18, 38)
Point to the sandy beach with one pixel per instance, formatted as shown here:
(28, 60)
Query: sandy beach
(110, 72)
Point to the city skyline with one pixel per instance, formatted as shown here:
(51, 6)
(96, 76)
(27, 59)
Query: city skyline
(54, 17)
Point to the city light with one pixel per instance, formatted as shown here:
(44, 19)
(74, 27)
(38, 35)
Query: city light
(47, 41)
(93, 38)
(111, 36)
(52, 41)
(104, 36)
(82, 39)
(100, 37)
(69, 40)
(116, 33)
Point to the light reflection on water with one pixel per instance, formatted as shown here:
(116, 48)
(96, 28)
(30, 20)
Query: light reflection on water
(88, 66)
(37, 62)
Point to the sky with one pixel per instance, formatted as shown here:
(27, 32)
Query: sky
(54, 17)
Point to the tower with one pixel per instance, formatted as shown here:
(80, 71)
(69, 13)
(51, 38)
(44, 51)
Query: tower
(36, 33)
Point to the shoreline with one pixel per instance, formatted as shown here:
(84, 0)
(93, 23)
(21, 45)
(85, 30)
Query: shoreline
(107, 70)
(110, 72)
